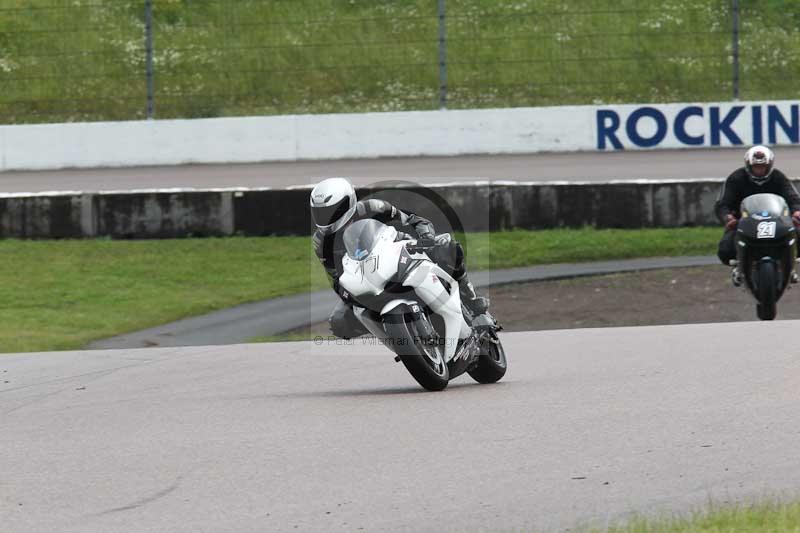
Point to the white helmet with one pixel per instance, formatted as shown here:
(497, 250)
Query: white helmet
(333, 203)
(758, 162)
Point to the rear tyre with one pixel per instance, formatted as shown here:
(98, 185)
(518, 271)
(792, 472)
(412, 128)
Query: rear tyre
(492, 363)
(767, 291)
(424, 362)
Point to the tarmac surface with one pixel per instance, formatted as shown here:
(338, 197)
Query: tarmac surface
(587, 427)
(583, 166)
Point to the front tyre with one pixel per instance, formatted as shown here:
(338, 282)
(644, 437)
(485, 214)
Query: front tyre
(423, 361)
(492, 363)
(767, 291)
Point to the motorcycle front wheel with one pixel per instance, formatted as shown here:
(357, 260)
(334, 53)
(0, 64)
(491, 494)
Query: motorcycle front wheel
(767, 291)
(425, 362)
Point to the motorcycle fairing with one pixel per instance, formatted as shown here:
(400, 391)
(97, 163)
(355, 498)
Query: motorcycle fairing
(370, 275)
(427, 284)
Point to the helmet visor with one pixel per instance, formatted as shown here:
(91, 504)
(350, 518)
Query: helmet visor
(327, 215)
(759, 170)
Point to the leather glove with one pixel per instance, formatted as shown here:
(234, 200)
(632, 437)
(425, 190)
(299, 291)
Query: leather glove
(796, 218)
(443, 239)
(437, 240)
(731, 222)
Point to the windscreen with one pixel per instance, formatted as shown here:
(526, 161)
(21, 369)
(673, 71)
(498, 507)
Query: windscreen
(359, 238)
(764, 204)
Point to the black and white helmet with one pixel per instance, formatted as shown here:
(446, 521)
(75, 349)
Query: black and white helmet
(759, 161)
(333, 203)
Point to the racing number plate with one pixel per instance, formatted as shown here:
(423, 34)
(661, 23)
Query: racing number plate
(766, 230)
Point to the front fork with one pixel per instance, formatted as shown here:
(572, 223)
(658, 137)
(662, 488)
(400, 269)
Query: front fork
(784, 267)
(484, 328)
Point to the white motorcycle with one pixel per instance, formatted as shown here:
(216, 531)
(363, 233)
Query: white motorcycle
(413, 306)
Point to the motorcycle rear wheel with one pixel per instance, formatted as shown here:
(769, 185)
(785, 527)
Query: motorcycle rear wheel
(492, 364)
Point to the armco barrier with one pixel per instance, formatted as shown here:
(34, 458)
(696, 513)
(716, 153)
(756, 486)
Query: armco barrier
(479, 206)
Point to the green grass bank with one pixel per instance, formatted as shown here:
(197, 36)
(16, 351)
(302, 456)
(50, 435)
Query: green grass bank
(86, 61)
(60, 295)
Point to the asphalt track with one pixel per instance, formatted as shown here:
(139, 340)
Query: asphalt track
(587, 427)
(585, 166)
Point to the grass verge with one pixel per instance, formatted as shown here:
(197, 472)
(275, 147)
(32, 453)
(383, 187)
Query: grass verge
(77, 61)
(59, 295)
(522, 248)
(63, 294)
(754, 518)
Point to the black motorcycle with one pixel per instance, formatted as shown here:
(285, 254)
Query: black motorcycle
(765, 250)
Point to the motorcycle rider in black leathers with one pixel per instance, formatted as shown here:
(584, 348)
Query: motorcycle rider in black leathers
(334, 206)
(758, 175)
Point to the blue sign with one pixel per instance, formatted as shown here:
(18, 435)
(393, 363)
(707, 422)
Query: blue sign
(738, 125)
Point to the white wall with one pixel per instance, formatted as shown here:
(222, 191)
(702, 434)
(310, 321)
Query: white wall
(292, 137)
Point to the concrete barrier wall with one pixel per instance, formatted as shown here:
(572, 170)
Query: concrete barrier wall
(163, 214)
(420, 133)
(42, 216)
(480, 206)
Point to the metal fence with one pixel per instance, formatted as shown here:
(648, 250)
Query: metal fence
(89, 60)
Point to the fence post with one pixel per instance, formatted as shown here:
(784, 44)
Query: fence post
(148, 48)
(442, 56)
(735, 48)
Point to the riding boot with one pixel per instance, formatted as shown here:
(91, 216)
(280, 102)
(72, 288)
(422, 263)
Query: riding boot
(736, 275)
(476, 304)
